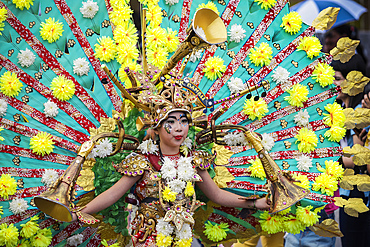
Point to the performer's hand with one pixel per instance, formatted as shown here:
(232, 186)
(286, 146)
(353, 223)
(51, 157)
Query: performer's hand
(263, 204)
(74, 217)
(363, 135)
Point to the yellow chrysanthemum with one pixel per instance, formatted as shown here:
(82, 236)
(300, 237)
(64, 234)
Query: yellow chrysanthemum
(297, 95)
(42, 238)
(146, 2)
(105, 49)
(216, 232)
(271, 223)
(335, 133)
(163, 240)
(255, 109)
(326, 184)
(262, 55)
(157, 57)
(209, 5)
(292, 22)
(293, 225)
(24, 243)
(311, 45)
(285, 211)
(172, 41)
(336, 115)
(126, 53)
(42, 143)
(20, 4)
(125, 33)
(306, 216)
(323, 74)
(121, 13)
(1, 211)
(63, 89)
(214, 67)
(3, 16)
(1, 138)
(156, 37)
(332, 168)
(303, 181)
(154, 15)
(30, 228)
(168, 194)
(8, 186)
(189, 189)
(122, 75)
(307, 140)
(266, 4)
(115, 3)
(8, 235)
(10, 85)
(184, 242)
(256, 169)
(51, 30)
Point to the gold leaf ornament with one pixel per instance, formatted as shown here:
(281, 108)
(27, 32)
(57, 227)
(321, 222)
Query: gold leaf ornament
(326, 18)
(223, 155)
(327, 228)
(222, 176)
(362, 181)
(359, 118)
(361, 154)
(345, 49)
(355, 83)
(352, 206)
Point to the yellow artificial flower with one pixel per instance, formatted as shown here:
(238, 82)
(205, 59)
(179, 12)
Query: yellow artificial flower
(42, 143)
(1, 138)
(326, 183)
(146, 2)
(172, 41)
(20, 4)
(24, 243)
(311, 45)
(323, 74)
(163, 240)
(335, 133)
(303, 181)
(255, 109)
(125, 33)
(1, 211)
(189, 189)
(105, 243)
(154, 15)
(157, 57)
(297, 95)
(10, 85)
(30, 228)
(184, 242)
(105, 49)
(216, 232)
(266, 4)
(285, 211)
(214, 67)
(292, 22)
(168, 194)
(122, 75)
(42, 238)
(307, 140)
(271, 223)
(3, 16)
(156, 37)
(336, 115)
(332, 168)
(8, 186)
(8, 235)
(121, 13)
(306, 216)
(256, 169)
(63, 88)
(262, 55)
(126, 53)
(115, 3)
(293, 225)
(51, 30)
(209, 5)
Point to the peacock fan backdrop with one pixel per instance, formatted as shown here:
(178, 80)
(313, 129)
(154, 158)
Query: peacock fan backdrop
(52, 100)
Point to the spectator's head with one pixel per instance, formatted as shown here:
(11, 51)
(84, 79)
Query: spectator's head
(333, 35)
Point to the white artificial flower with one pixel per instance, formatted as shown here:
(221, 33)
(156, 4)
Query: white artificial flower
(18, 205)
(177, 185)
(51, 109)
(304, 163)
(185, 173)
(267, 141)
(148, 146)
(201, 33)
(236, 138)
(104, 148)
(280, 75)
(89, 9)
(185, 232)
(236, 85)
(172, 2)
(236, 33)
(168, 169)
(81, 66)
(188, 143)
(241, 139)
(195, 56)
(3, 107)
(75, 240)
(164, 227)
(26, 58)
(92, 154)
(302, 118)
(185, 162)
(49, 177)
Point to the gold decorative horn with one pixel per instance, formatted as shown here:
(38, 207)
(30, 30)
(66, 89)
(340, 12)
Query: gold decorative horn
(207, 29)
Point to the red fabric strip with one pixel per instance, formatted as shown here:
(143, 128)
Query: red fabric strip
(15, 218)
(25, 172)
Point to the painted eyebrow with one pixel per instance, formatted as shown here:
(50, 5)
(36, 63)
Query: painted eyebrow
(173, 117)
